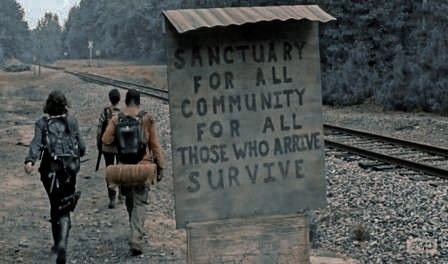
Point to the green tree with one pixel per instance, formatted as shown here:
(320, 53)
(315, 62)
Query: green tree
(14, 33)
(47, 38)
(393, 51)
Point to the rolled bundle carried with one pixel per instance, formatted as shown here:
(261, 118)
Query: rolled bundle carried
(131, 175)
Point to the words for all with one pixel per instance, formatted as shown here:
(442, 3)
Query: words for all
(218, 129)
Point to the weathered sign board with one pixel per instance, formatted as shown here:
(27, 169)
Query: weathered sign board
(246, 120)
(260, 240)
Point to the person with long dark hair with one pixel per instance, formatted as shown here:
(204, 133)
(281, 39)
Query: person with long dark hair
(58, 144)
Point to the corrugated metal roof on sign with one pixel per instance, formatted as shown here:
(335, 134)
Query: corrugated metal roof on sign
(191, 19)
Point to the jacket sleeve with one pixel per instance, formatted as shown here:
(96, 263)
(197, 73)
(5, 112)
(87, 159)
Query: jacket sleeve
(81, 143)
(100, 125)
(109, 134)
(153, 141)
(36, 146)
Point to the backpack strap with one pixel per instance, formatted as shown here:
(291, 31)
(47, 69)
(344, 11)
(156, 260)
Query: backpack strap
(141, 114)
(120, 116)
(108, 111)
(107, 115)
(143, 139)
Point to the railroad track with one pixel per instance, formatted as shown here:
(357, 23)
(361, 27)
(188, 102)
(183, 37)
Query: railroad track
(95, 78)
(143, 89)
(389, 152)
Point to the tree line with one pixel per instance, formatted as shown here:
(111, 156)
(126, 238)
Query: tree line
(392, 52)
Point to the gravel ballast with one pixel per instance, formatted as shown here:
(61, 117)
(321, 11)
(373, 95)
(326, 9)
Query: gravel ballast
(384, 209)
(370, 216)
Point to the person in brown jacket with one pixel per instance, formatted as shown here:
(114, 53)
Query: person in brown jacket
(136, 197)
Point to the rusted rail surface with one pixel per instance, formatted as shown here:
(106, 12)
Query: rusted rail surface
(157, 93)
(396, 141)
(116, 81)
(390, 150)
(143, 89)
(335, 135)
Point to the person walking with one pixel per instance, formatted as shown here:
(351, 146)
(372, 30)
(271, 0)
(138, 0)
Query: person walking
(109, 151)
(137, 141)
(59, 145)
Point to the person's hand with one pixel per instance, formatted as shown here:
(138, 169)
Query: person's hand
(29, 167)
(159, 175)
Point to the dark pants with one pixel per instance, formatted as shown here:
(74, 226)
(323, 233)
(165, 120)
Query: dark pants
(58, 187)
(137, 197)
(110, 159)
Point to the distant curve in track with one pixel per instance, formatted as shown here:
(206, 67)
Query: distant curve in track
(157, 93)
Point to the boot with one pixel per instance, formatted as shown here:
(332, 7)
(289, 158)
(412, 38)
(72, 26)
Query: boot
(64, 229)
(120, 195)
(112, 193)
(55, 232)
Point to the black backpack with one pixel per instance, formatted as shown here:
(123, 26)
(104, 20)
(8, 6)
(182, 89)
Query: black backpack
(130, 138)
(62, 145)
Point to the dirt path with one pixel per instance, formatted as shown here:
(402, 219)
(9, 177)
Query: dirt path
(98, 234)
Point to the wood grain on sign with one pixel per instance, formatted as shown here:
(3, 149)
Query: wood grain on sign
(260, 240)
(422, 246)
(246, 120)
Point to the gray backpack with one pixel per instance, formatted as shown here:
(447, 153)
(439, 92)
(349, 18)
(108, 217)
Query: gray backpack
(62, 145)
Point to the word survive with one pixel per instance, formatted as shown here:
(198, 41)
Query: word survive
(233, 176)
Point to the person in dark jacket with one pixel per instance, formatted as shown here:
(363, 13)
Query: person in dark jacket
(58, 174)
(109, 151)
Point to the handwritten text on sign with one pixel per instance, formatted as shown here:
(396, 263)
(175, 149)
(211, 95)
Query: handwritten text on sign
(246, 118)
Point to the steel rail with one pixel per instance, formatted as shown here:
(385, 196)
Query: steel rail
(109, 81)
(127, 83)
(428, 169)
(114, 82)
(386, 139)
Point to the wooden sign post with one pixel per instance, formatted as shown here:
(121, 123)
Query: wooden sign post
(258, 240)
(246, 122)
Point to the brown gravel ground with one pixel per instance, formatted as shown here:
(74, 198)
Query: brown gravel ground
(99, 235)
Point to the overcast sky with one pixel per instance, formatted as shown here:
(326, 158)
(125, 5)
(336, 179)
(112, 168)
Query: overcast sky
(35, 9)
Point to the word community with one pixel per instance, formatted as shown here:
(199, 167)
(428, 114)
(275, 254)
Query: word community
(250, 102)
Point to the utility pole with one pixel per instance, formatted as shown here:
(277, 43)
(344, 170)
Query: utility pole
(34, 65)
(98, 54)
(90, 52)
(39, 57)
(424, 3)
